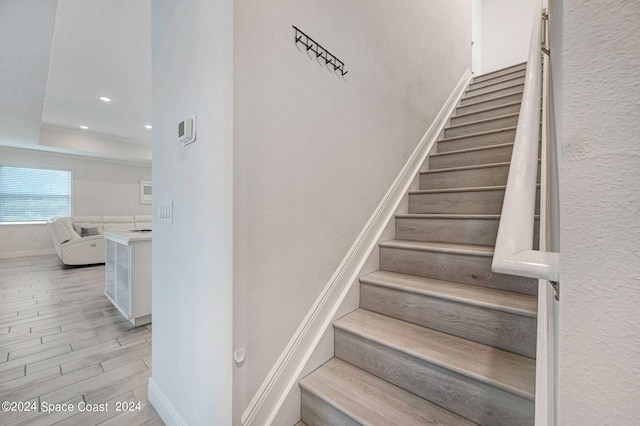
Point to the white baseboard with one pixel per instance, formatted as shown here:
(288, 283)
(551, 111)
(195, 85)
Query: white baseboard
(269, 398)
(163, 406)
(13, 254)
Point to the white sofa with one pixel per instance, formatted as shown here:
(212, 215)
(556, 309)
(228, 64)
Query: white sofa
(76, 249)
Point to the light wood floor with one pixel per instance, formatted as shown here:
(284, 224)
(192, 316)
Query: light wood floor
(61, 341)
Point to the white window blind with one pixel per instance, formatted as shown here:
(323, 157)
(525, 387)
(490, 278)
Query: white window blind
(33, 194)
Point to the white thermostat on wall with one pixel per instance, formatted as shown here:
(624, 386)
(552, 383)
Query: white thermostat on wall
(187, 131)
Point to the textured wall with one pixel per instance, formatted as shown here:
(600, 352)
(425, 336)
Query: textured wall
(599, 344)
(315, 153)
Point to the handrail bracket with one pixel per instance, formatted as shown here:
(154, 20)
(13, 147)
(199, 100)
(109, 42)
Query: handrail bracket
(556, 287)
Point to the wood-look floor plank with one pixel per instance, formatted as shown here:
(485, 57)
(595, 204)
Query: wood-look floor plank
(69, 337)
(135, 335)
(26, 343)
(11, 374)
(101, 356)
(99, 417)
(21, 322)
(35, 358)
(51, 417)
(25, 381)
(45, 386)
(61, 340)
(126, 355)
(105, 386)
(67, 358)
(99, 338)
(14, 417)
(154, 422)
(135, 417)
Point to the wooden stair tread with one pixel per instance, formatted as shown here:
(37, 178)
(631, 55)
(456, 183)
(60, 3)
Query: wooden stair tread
(484, 101)
(515, 67)
(461, 168)
(466, 189)
(469, 249)
(497, 75)
(370, 400)
(473, 85)
(479, 148)
(501, 369)
(513, 86)
(484, 120)
(446, 216)
(495, 83)
(450, 190)
(485, 110)
(450, 216)
(506, 301)
(501, 74)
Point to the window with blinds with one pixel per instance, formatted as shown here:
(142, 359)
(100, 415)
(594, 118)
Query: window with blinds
(29, 195)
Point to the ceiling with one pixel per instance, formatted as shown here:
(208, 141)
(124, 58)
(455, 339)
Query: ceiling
(58, 57)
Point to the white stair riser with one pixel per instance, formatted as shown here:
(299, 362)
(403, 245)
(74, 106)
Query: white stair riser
(488, 82)
(500, 92)
(490, 103)
(453, 230)
(461, 268)
(499, 73)
(502, 330)
(485, 176)
(472, 91)
(481, 126)
(459, 394)
(480, 115)
(477, 141)
(489, 155)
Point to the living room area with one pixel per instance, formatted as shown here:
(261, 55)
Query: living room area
(75, 143)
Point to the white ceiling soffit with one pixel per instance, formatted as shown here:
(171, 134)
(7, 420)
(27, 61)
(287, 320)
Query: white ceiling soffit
(26, 27)
(100, 48)
(57, 57)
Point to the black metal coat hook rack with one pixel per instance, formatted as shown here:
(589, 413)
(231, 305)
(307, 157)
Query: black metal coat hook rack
(321, 52)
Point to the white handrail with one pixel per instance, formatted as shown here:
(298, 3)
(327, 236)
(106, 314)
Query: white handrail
(514, 252)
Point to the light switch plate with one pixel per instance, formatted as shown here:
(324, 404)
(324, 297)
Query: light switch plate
(165, 212)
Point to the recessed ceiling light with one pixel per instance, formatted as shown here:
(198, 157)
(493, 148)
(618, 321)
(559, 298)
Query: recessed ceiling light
(148, 126)
(84, 127)
(105, 99)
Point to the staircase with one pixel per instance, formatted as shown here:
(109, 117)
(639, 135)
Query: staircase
(438, 337)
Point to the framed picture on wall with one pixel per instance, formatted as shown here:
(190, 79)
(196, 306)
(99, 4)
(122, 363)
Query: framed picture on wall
(145, 192)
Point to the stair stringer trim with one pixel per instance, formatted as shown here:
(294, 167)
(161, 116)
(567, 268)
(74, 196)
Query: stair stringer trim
(285, 373)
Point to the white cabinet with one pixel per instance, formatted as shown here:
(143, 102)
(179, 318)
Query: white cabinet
(128, 274)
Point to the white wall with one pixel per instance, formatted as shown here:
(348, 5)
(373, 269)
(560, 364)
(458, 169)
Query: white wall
(192, 257)
(99, 187)
(476, 37)
(315, 153)
(599, 365)
(506, 31)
